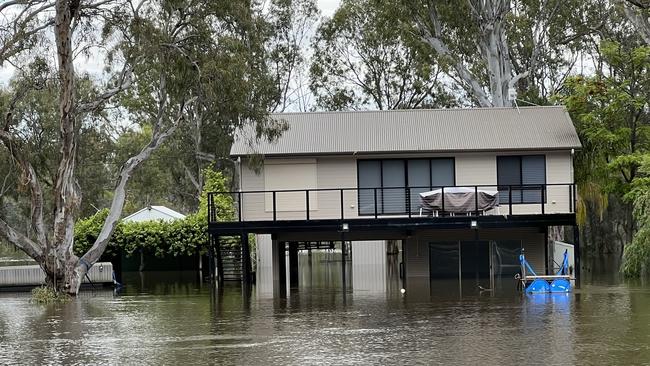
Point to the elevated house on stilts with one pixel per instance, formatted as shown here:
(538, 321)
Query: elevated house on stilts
(461, 191)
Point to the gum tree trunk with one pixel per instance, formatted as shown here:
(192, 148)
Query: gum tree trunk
(54, 253)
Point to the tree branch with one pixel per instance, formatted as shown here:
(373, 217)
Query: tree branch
(125, 81)
(29, 174)
(20, 241)
(639, 20)
(434, 39)
(119, 194)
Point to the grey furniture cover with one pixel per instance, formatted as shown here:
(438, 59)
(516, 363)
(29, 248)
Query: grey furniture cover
(459, 199)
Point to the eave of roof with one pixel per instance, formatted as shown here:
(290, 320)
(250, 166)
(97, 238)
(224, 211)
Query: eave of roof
(418, 131)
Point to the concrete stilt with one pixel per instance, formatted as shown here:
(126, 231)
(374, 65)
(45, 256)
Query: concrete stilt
(246, 259)
(279, 269)
(293, 264)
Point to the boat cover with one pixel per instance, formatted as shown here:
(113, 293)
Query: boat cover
(460, 199)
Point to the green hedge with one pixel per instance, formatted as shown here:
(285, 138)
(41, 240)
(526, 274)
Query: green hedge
(180, 237)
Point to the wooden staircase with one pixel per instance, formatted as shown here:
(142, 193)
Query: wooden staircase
(231, 259)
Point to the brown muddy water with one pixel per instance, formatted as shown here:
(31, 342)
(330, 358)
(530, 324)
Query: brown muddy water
(171, 318)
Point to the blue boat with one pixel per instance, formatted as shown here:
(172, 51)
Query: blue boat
(533, 283)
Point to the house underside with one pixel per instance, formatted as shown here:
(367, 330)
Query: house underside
(472, 250)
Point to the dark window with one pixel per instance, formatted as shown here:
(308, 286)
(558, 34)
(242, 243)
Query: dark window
(394, 180)
(369, 172)
(521, 177)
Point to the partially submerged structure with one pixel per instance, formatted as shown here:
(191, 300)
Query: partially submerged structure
(462, 190)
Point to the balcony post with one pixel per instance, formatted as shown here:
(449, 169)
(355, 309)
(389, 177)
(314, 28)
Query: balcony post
(510, 200)
(307, 203)
(476, 200)
(342, 209)
(375, 189)
(543, 197)
(408, 201)
(239, 204)
(274, 208)
(442, 195)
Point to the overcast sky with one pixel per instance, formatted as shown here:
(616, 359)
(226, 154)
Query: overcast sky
(327, 8)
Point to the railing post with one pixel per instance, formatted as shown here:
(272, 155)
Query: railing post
(408, 201)
(570, 198)
(575, 198)
(476, 200)
(209, 207)
(274, 207)
(543, 197)
(341, 204)
(442, 195)
(239, 204)
(307, 203)
(375, 190)
(510, 200)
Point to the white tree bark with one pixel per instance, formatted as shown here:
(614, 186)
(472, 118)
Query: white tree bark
(638, 16)
(55, 253)
(492, 42)
(119, 193)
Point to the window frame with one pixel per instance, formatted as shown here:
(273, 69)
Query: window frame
(407, 188)
(521, 178)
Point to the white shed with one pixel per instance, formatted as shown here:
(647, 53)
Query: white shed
(153, 213)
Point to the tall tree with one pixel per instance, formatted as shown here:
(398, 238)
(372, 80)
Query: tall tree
(363, 60)
(291, 24)
(611, 116)
(153, 57)
(491, 46)
(638, 12)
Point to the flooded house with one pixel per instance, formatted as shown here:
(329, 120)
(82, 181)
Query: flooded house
(459, 194)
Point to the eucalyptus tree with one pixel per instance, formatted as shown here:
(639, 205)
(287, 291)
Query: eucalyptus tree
(491, 47)
(153, 75)
(610, 112)
(363, 60)
(219, 54)
(291, 25)
(638, 12)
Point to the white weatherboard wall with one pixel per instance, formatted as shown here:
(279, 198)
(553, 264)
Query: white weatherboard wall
(278, 174)
(295, 174)
(369, 266)
(341, 172)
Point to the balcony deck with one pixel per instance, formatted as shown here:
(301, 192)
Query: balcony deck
(394, 208)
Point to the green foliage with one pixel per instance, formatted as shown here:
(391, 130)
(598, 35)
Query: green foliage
(216, 182)
(610, 113)
(362, 60)
(179, 237)
(46, 295)
(636, 256)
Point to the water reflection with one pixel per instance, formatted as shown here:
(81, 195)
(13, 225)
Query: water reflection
(169, 318)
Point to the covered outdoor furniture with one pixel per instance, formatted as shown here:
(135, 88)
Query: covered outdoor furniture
(459, 200)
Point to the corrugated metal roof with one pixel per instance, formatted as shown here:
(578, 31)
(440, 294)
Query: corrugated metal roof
(418, 130)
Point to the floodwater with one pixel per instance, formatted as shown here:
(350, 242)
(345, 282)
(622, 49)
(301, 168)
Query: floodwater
(172, 318)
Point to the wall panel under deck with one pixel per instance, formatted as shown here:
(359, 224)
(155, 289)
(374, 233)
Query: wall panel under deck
(369, 266)
(417, 247)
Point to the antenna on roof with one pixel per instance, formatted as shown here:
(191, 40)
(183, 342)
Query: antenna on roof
(512, 96)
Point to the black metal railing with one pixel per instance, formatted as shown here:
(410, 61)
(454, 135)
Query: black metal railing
(376, 202)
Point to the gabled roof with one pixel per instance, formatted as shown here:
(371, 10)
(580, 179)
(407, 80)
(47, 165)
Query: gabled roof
(418, 130)
(153, 213)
